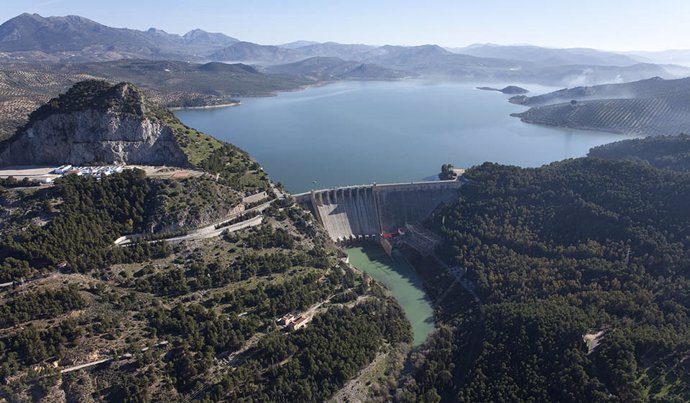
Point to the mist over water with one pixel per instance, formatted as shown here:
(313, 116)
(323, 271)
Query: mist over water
(364, 132)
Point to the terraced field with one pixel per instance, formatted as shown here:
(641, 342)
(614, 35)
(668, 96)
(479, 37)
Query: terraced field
(650, 107)
(652, 117)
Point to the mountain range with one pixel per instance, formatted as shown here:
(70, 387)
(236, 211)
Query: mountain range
(547, 56)
(33, 38)
(77, 38)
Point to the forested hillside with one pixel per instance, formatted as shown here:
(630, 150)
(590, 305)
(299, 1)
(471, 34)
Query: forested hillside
(668, 152)
(581, 272)
(187, 320)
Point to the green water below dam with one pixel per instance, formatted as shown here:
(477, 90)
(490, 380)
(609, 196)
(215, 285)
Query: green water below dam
(402, 281)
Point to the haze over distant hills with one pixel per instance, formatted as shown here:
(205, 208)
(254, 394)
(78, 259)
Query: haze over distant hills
(547, 56)
(648, 107)
(32, 38)
(333, 68)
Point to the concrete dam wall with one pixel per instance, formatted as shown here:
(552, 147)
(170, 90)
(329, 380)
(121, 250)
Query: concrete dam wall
(364, 212)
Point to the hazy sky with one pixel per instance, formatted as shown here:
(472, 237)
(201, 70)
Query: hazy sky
(602, 24)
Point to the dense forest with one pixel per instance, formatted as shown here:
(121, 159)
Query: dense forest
(581, 272)
(668, 152)
(88, 215)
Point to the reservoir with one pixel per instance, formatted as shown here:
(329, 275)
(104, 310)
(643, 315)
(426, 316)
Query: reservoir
(362, 132)
(402, 281)
(352, 133)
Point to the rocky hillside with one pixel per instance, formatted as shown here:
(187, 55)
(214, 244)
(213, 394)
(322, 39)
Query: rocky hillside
(187, 319)
(96, 122)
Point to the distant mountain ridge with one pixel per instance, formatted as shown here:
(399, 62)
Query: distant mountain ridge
(254, 53)
(33, 38)
(549, 56)
(58, 35)
(333, 68)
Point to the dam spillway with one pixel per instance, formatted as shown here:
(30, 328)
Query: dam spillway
(364, 212)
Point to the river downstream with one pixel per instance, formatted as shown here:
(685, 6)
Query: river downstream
(402, 281)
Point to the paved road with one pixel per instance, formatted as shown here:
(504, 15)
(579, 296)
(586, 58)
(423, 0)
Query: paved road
(82, 366)
(210, 230)
(205, 233)
(101, 361)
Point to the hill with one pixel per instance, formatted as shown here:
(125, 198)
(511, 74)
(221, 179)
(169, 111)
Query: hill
(31, 38)
(508, 90)
(95, 122)
(434, 60)
(77, 38)
(333, 49)
(549, 56)
(655, 87)
(575, 288)
(180, 320)
(650, 107)
(333, 68)
(191, 309)
(665, 152)
(253, 53)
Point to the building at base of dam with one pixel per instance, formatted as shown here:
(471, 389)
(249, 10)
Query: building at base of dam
(366, 212)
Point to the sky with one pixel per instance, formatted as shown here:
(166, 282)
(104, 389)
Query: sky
(621, 25)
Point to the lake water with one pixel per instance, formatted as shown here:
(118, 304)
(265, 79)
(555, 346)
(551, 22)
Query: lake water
(402, 281)
(363, 132)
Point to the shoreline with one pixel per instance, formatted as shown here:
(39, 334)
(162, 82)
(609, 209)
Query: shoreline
(624, 135)
(225, 105)
(275, 93)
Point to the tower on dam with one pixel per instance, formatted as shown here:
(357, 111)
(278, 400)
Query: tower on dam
(365, 212)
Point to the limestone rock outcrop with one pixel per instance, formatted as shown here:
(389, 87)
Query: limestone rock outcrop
(95, 123)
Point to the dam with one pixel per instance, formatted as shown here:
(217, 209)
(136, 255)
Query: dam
(365, 212)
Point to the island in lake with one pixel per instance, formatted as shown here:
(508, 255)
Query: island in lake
(509, 90)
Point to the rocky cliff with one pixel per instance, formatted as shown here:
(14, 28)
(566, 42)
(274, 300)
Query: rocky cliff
(96, 122)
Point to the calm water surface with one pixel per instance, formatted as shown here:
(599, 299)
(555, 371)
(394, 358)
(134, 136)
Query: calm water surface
(364, 132)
